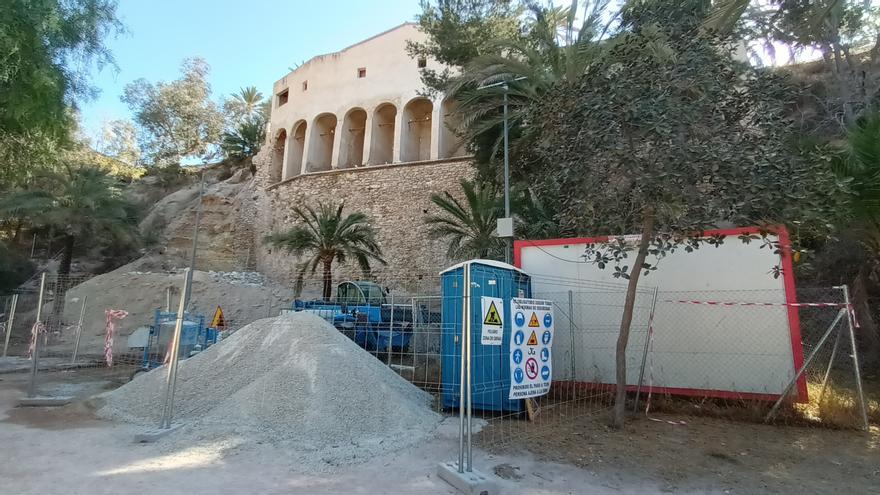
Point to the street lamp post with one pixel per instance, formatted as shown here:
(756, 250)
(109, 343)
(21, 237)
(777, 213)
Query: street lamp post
(505, 225)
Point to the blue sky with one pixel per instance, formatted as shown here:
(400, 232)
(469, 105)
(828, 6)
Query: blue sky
(246, 43)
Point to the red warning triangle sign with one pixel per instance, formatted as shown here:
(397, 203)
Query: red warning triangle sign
(533, 340)
(533, 322)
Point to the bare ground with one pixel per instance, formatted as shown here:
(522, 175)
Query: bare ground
(67, 450)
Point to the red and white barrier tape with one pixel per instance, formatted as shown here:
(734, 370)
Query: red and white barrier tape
(848, 306)
(36, 330)
(729, 303)
(111, 315)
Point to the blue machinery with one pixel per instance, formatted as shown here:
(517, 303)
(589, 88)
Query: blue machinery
(361, 312)
(194, 336)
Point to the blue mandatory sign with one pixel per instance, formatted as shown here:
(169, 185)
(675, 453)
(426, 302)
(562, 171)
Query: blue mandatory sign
(545, 373)
(517, 356)
(518, 337)
(545, 355)
(518, 375)
(520, 319)
(548, 320)
(546, 337)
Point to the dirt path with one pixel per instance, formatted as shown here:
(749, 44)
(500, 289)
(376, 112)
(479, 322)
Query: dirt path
(685, 453)
(69, 451)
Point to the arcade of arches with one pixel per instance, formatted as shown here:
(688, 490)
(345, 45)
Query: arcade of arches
(420, 131)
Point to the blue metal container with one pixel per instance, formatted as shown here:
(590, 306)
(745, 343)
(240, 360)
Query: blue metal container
(490, 363)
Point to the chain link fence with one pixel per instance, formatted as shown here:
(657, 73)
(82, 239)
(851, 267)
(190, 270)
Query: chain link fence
(730, 353)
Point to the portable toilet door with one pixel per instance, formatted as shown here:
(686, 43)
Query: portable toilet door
(490, 372)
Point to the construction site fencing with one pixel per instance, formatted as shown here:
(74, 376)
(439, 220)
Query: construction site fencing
(686, 352)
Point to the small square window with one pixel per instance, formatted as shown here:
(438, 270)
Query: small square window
(362, 72)
(423, 62)
(282, 97)
(305, 85)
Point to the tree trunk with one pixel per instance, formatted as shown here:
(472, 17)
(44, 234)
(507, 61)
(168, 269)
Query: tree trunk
(867, 334)
(626, 320)
(62, 282)
(328, 279)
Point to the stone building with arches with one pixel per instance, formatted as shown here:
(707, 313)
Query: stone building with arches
(355, 125)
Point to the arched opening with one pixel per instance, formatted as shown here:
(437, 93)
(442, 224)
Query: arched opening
(382, 146)
(278, 156)
(297, 145)
(321, 142)
(415, 142)
(450, 144)
(351, 151)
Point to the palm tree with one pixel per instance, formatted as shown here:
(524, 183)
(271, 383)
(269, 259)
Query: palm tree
(554, 49)
(859, 163)
(326, 235)
(469, 226)
(77, 203)
(246, 139)
(248, 100)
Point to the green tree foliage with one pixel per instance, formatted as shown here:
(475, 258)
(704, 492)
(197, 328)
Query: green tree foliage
(667, 135)
(247, 114)
(81, 204)
(46, 50)
(468, 225)
(246, 138)
(176, 120)
(325, 235)
(844, 32)
(460, 31)
(119, 141)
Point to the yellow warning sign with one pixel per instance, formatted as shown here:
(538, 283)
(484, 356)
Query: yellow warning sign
(492, 316)
(533, 322)
(218, 321)
(533, 340)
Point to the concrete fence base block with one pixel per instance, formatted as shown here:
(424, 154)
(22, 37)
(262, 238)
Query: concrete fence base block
(151, 436)
(469, 483)
(44, 401)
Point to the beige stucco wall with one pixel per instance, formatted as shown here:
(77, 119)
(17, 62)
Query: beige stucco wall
(333, 87)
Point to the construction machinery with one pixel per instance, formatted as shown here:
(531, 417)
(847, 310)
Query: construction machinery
(361, 311)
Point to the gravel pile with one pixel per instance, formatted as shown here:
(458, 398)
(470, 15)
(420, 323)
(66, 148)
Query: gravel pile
(292, 380)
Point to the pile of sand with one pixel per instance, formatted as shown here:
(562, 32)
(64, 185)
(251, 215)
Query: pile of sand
(292, 379)
(141, 293)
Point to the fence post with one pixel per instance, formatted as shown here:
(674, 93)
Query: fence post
(468, 359)
(32, 385)
(648, 336)
(461, 395)
(804, 367)
(390, 330)
(171, 380)
(79, 329)
(855, 357)
(571, 334)
(9, 322)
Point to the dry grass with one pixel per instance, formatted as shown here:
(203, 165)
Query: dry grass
(838, 408)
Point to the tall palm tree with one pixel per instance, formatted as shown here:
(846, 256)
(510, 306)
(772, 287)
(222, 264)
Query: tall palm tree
(78, 203)
(469, 226)
(248, 100)
(326, 235)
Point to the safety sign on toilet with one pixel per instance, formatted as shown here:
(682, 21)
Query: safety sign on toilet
(531, 343)
(493, 321)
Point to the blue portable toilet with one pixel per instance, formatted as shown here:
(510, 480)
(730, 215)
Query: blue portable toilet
(490, 372)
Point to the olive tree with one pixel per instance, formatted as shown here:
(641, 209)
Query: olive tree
(666, 135)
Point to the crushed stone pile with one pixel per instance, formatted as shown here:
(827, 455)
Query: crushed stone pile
(238, 278)
(292, 379)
